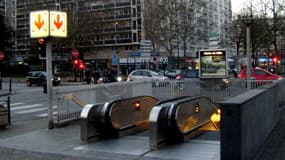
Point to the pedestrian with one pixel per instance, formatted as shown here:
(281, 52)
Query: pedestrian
(96, 75)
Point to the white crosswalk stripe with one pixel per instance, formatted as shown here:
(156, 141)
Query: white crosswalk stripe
(21, 108)
(46, 114)
(25, 107)
(31, 110)
(16, 104)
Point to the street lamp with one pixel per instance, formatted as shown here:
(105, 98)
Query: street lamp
(247, 20)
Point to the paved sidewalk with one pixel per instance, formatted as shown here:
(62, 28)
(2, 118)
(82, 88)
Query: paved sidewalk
(274, 147)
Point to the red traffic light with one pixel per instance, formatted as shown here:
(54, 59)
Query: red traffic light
(41, 41)
(275, 60)
(75, 61)
(81, 66)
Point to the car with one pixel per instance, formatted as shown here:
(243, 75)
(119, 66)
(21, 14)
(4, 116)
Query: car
(258, 73)
(39, 78)
(187, 73)
(233, 72)
(172, 73)
(145, 74)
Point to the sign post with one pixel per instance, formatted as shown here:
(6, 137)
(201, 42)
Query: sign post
(49, 83)
(48, 24)
(1, 58)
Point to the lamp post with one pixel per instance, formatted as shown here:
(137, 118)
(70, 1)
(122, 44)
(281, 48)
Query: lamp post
(247, 20)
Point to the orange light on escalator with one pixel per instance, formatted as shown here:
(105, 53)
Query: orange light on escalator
(137, 105)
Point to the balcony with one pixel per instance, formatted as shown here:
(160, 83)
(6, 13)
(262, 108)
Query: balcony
(109, 17)
(122, 4)
(109, 30)
(127, 40)
(99, 42)
(127, 28)
(97, 7)
(110, 5)
(123, 16)
(110, 41)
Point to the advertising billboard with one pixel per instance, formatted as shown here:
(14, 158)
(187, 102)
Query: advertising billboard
(213, 63)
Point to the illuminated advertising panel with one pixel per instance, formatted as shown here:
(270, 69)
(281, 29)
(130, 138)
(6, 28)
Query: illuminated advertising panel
(213, 64)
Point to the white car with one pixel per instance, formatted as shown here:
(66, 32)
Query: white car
(145, 74)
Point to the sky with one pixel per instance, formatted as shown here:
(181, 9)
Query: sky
(237, 5)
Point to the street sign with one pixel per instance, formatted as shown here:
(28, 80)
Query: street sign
(58, 24)
(75, 53)
(1, 56)
(114, 59)
(39, 24)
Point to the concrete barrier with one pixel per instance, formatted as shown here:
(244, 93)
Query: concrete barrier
(248, 119)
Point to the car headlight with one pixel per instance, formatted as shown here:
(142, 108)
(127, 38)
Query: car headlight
(226, 81)
(119, 79)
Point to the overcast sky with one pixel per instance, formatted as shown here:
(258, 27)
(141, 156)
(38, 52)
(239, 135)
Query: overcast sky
(237, 5)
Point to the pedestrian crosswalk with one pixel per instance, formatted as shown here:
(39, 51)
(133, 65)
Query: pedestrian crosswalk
(38, 110)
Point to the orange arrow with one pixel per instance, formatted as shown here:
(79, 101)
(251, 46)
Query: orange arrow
(40, 22)
(57, 22)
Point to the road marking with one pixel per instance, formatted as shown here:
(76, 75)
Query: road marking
(16, 104)
(33, 110)
(26, 107)
(46, 114)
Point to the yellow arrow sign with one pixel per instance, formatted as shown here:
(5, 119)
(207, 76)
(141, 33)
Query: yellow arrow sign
(39, 24)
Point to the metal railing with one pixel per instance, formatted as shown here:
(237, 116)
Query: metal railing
(68, 109)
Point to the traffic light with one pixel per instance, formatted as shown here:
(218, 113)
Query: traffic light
(75, 62)
(81, 66)
(275, 60)
(42, 47)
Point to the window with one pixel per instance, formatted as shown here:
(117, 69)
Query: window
(260, 73)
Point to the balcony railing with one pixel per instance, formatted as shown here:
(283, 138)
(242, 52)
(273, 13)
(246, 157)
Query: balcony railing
(129, 40)
(109, 30)
(111, 5)
(122, 4)
(99, 42)
(97, 7)
(124, 16)
(110, 41)
(124, 28)
(109, 17)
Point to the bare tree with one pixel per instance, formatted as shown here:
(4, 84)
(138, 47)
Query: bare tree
(160, 24)
(153, 20)
(273, 14)
(172, 23)
(191, 15)
(238, 30)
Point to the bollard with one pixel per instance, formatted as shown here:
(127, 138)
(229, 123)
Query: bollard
(9, 110)
(10, 86)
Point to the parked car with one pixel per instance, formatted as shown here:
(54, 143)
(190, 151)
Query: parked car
(188, 73)
(145, 74)
(172, 73)
(258, 74)
(39, 78)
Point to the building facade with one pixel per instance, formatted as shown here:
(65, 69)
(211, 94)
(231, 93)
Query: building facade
(219, 18)
(100, 28)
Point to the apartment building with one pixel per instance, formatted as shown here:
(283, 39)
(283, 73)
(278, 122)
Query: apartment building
(220, 16)
(97, 29)
(100, 28)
